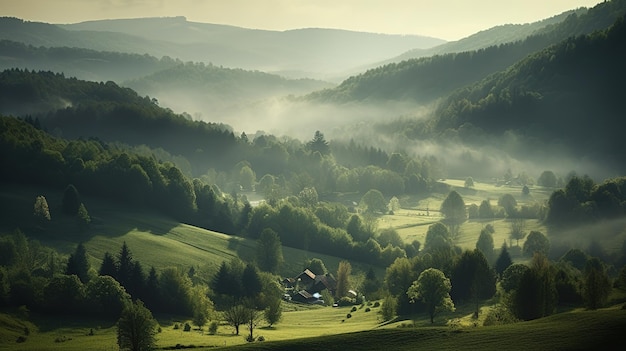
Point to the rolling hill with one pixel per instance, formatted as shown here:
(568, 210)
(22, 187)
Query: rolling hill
(314, 53)
(427, 79)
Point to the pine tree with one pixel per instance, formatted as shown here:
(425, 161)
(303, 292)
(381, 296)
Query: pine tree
(78, 264)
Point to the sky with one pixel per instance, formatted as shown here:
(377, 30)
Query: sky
(444, 19)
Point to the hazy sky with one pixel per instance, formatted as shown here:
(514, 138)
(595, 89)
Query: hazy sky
(445, 19)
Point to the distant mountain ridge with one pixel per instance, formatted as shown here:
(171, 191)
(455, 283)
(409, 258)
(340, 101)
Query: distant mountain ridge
(312, 53)
(424, 80)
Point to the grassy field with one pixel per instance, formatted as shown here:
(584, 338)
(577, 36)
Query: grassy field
(416, 215)
(327, 328)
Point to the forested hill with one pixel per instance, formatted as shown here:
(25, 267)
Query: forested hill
(81, 63)
(426, 79)
(74, 108)
(571, 93)
(314, 53)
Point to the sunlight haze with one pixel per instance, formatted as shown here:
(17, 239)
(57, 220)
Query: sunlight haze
(445, 19)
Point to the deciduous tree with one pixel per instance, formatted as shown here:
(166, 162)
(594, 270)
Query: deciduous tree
(136, 328)
(433, 289)
(269, 251)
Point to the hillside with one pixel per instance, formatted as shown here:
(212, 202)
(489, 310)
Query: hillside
(427, 79)
(81, 63)
(563, 95)
(314, 53)
(218, 94)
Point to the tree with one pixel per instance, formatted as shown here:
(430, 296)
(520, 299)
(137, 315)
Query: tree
(485, 244)
(343, 275)
(319, 144)
(83, 216)
(597, 285)
(389, 307)
(236, 316)
(247, 178)
(508, 202)
(472, 278)
(269, 251)
(485, 210)
(453, 210)
(124, 266)
(308, 196)
(251, 282)
(136, 328)
(433, 289)
(316, 266)
(78, 264)
(70, 201)
(252, 318)
(41, 210)
(437, 236)
(202, 306)
(394, 204)
(273, 312)
(536, 242)
(374, 201)
(469, 182)
(106, 297)
(108, 266)
(547, 179)
(503, 261)
(518, 232)
(536, 294)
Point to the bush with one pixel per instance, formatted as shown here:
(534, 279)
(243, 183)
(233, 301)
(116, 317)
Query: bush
(261, 338)
(353, 309)
(367, 309)
(176, 326)
(187, 327)
(213, 328)
(377, 304)
(349, 315)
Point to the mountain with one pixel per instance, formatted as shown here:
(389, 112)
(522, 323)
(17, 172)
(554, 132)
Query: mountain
(429, 78)
(216, 93)
(498, 35)
(81, 63)
(313, 52)
(571, 94)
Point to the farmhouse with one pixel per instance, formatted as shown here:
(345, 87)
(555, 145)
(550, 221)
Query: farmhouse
(307, 286)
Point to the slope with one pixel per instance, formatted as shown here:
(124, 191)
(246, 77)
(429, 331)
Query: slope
(427, 79)
(570, 94)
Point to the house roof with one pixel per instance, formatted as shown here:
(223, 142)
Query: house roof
(307, 274)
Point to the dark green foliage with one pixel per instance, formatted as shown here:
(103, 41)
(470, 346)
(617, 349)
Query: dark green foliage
(108, 266)
(71, 201)
(453, 209)
(78, 264)
(597, 284)
(136, 328)
(485, 210)
(106, 297)
(65, 294)
(251, 281)
(269, 252)
(273, 312)
(512, 275)
(316, 266)
(547, 179)
(577, 258)
(472, 278)
(485, 244)
(503, 261)
(536, 294)
(536, 242)
(319, 144)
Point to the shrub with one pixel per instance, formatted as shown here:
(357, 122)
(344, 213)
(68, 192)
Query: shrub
(353, 309)
(367, 309)
(176, 326)
(377, 304)
(261, 338)
(187, 327)
(349, 315)
(213, 328)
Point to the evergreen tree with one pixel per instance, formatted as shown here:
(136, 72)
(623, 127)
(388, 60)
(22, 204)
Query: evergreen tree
(503, 261)
(78, 264)
(251, 281)
(125, 266)
(108, 266)
(319, 144)
(70, 203)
